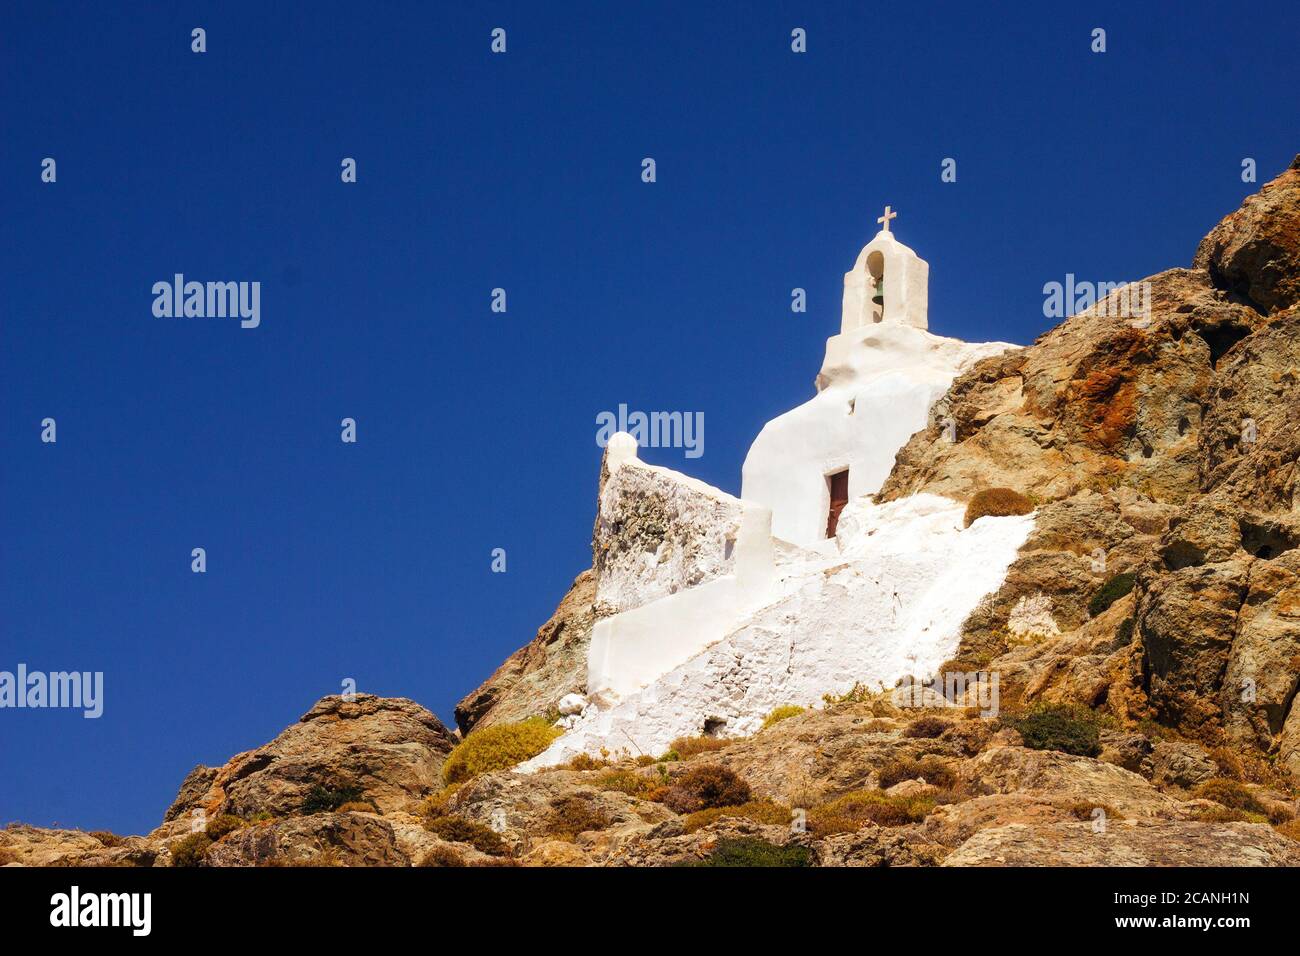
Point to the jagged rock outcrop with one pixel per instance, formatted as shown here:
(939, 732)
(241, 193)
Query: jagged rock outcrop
(1256, 250)
(534, 678)
(390, 749)
(1165, 446)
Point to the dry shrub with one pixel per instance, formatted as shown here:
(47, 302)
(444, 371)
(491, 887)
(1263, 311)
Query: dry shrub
(784, 712)
(1084, 809)
(498, 747)
(688, 747)
(570, 816)
(855, 810)
(219, 826)
(1231, 794)
(625, 781)
(442, 856)
(706, 786)
(998, 503)
(456, 830)
(1219, 814)
(932, 770)
(438, 804)
(926, 727)
(191, 851)
(586, 762)
(358, 806)
(760, 811)
(1290, 829)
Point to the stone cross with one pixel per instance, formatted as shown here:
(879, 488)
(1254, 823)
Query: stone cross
(884, 220)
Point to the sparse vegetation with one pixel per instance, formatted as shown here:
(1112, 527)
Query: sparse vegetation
(107, 838)
(1124, 633)
(625, 781)
(436, 805)
(688, 747)
(859, 693)
(457, 830)
(747, 851)
(855, 810)
(1084, 810)
(1114, 589)
(932, 770)
(1231, 794)
(498, 747)
(584, 762)
(998, 503)
(784, 712)
(706, 786)
(760, 811)
(570, 816)
(1290, 829)
(358, 806)
(1229, 763)
(221, 826)
(442, 856)
(1063, 727)
(325, 798)
(191, 851)
(926, 727)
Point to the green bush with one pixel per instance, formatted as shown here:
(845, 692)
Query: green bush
(191, 851)
(1124, 633)
(747, 851)
(1114, 589)
(1071, 730)
(498, 747)
(456, 830)
(326, 799)
(784, 712)
(705, 787)
(998, 503)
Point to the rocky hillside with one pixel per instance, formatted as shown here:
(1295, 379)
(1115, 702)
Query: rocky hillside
(1146, 642)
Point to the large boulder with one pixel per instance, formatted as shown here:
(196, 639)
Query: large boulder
(390, 749)
(1256, 250)
(1127, 843)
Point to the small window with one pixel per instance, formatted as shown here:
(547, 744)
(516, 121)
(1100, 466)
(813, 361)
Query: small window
(839, 489)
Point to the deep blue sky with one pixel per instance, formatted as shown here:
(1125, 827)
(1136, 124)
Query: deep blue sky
(371, 561)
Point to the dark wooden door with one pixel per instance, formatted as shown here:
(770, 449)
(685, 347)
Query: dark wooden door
(839, 483)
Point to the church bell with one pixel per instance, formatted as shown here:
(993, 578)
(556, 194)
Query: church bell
(879, 297)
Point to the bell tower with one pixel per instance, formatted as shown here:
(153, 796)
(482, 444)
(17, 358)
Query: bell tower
(888, 283)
